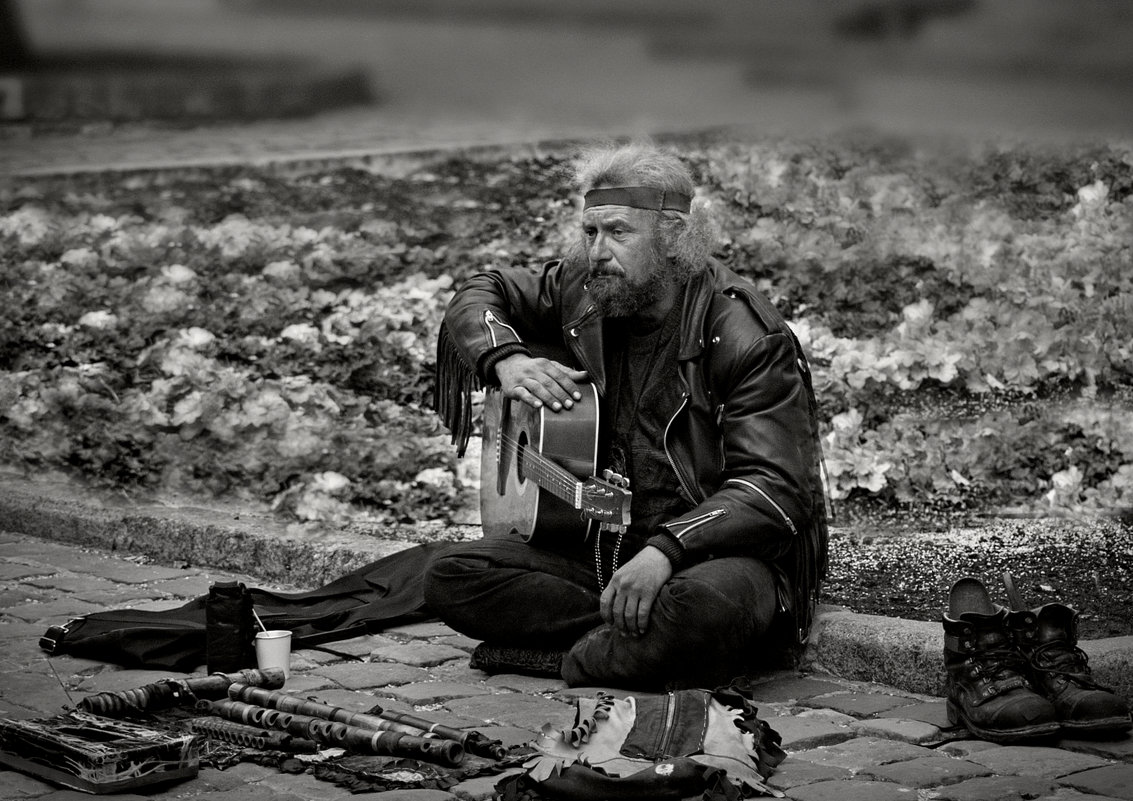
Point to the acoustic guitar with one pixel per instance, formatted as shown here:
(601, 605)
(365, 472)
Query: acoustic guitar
(537, 472)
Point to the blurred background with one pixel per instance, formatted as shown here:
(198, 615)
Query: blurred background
(390, 73)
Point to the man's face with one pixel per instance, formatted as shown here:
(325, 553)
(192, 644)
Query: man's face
(628, 269)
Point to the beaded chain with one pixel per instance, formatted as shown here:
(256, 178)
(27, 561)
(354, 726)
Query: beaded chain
(598, 558)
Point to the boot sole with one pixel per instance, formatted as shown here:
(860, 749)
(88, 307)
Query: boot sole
(1101, 726)
(1037, 731)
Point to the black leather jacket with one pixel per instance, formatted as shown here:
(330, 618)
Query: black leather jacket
(743, 441)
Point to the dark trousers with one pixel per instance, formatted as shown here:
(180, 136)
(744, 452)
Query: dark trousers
(706, 627)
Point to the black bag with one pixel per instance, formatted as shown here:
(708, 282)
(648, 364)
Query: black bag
(229, 628)
(385, 593)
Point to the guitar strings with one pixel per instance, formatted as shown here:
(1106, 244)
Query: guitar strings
(543, 467)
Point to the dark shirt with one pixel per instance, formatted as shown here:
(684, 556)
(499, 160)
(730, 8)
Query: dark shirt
(644, 393)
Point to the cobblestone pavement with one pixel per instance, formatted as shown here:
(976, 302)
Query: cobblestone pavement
(845, 740)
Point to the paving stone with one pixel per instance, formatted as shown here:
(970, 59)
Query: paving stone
(795, 772)
(1021, 760)
(360, 646)
(57, 611)
(572, 693)
(829, 715)
(525, 684)
(20, 785)
(860, 705)
(932, 712)
(352, 700)
(358, 675)
(14, 712)
(801, 734)
(962, 748)
(120, 596)
(864, 752)
(39, 691)
(930, 771)
(508, 735)
(306, 658)
(303, 785)
(23, 594)
(72, 582)
(482, 787)
(115, 680)
(127, 572)
(1070, 794)
(1120, 749)
(434, 692)
(15, 571)
(184, 586)
(853, 790)
(422, 630)
(75, 795)
(793, 689)
(516, 709)
(304, 683)
(1115, 781)
(458, 641)
(907, 731)
(420, 654)
(999, 788)
(458, 670)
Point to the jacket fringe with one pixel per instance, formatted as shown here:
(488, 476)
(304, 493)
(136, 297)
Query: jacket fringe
(812, 557)
(456, 380)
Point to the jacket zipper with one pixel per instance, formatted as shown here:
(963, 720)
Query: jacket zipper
(695, 496)
(689, 524)
(667, 729)
(790, 523)
(489, 319)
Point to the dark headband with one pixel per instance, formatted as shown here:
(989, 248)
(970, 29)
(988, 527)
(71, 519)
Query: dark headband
(638, 197)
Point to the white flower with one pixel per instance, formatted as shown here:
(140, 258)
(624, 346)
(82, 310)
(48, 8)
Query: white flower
(282, 270)
(300, 332)
(194, 337)
(99, 319)
(329, 482)
(434, 477)
(177, 274)
(80, 257)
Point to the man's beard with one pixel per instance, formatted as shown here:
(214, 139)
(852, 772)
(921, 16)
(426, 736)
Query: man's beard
(616, 296)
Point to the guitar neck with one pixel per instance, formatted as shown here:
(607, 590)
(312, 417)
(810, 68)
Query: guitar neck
(553, 478)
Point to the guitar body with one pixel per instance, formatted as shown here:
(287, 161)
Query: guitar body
(512, 502)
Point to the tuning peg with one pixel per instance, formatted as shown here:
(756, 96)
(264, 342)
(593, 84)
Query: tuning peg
(617, 479)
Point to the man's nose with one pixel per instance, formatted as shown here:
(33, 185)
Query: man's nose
(599, 249)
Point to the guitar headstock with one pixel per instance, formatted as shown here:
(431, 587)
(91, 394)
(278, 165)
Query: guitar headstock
(606, 501)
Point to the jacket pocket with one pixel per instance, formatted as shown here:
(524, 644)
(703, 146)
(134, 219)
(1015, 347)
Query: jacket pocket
(774, 504)
(683, 525)
(495, 326)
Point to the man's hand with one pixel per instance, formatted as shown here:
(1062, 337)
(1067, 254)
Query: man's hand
(538, 381)
(628, 598)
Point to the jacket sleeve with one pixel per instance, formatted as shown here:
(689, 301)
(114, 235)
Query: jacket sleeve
(764, 494)
(494, 314)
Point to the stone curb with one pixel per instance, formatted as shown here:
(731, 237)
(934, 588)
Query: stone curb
(905, 654)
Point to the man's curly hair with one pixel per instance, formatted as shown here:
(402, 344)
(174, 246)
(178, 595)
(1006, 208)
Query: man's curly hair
(690, 238)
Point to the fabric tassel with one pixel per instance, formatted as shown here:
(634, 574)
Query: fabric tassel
(456, 380)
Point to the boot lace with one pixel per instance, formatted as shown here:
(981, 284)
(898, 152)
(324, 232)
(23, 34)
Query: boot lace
(998, 664)
(1059, 658)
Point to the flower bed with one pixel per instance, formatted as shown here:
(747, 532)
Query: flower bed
(269, 337)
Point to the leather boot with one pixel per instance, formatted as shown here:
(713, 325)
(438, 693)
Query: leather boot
(1048, 637)
(987, 686)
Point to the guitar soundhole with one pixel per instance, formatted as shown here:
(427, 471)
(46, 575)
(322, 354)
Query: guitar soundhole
(520, 449)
